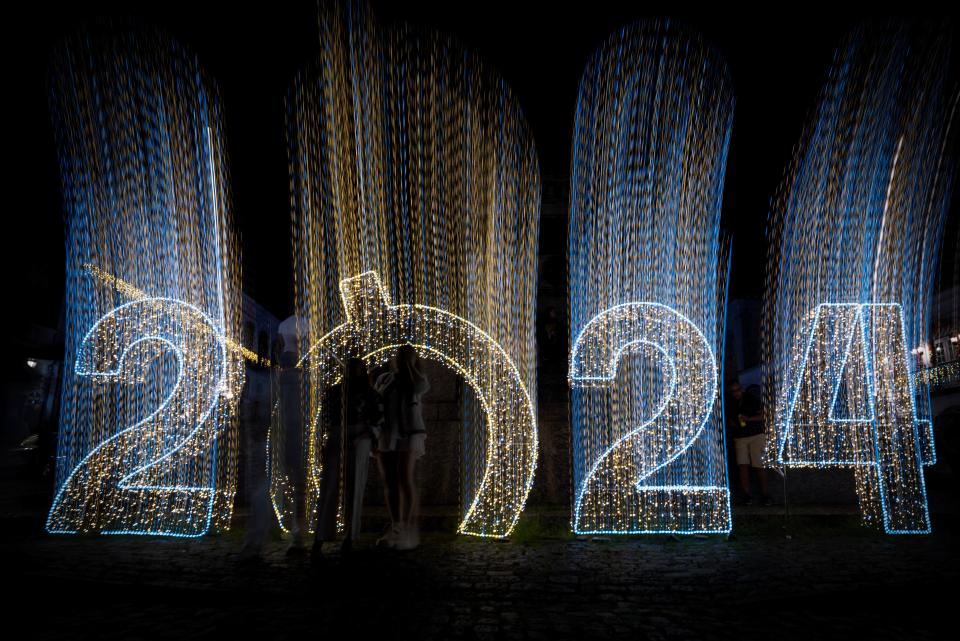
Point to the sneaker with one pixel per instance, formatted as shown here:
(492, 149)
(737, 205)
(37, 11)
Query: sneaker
(249, 559)
(767, 501)
(389, 540)
(297, 547)
(747, 500)
(409, 538)
(317, 557)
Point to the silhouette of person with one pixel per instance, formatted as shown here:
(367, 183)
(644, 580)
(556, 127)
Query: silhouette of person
(745, 421)
(352, 416)
(402, 443)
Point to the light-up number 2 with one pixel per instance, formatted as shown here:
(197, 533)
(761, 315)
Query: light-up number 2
(852, 405)
(156, 474)
(632, 462)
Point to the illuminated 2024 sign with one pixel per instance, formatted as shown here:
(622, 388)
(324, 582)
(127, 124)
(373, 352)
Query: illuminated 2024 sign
(146, 402)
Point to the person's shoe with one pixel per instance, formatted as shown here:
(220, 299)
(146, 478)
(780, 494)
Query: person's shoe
(389, 540)
(298, 545)
(316, 556)
(409, 538)
(249, 558)
(767, 501)
(297, 549)
(747, 500)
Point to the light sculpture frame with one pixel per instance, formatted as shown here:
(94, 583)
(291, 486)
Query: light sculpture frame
(374, 330)
(882, 438)
(854, 234)
(415, 179)
(148, 437)
(648, 280)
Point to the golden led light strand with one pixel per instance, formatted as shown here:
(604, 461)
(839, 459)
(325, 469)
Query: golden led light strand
(148, 441)
(412, 166)
(133, 293)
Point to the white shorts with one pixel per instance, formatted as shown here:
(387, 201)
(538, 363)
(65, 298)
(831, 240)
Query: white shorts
(415, 443)
(750, 449)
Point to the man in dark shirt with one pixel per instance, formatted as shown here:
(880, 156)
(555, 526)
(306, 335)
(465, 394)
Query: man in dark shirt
(745, 419)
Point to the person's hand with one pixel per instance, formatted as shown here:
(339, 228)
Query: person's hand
(383, 381)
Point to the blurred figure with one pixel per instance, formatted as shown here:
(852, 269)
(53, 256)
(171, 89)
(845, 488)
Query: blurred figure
(290, 390)
(258, 482)
(258, 522)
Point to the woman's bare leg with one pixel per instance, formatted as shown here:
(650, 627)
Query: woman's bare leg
(387, 462)
(409, 497)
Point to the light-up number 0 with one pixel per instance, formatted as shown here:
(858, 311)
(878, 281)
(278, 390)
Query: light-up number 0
(155, 474)
(374, 330)
(621, 492)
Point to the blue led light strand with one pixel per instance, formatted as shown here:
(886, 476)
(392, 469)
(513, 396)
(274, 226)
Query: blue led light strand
(854, 235)
(648, 279)
(147, 441)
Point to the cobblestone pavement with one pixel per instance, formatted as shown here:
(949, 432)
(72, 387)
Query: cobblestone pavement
(829, 579)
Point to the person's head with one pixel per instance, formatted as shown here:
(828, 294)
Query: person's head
(407, 357)
(736, 391)
(288, 359)
(407, 365)
(356, 370)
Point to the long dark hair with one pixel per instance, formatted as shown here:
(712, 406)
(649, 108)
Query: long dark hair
(355, 391)
(408, 367)
(356, 378)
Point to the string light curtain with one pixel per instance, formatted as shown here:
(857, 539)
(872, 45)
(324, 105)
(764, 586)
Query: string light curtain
(415, 196)
(147, 442)
(648, 278)
(854, 235)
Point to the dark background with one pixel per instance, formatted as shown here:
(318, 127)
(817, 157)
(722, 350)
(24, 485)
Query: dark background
(778, 63)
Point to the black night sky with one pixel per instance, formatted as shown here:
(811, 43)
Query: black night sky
(778, 64)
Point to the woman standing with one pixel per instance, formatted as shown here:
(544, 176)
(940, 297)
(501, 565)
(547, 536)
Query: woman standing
(402, 443)
(354, 413)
